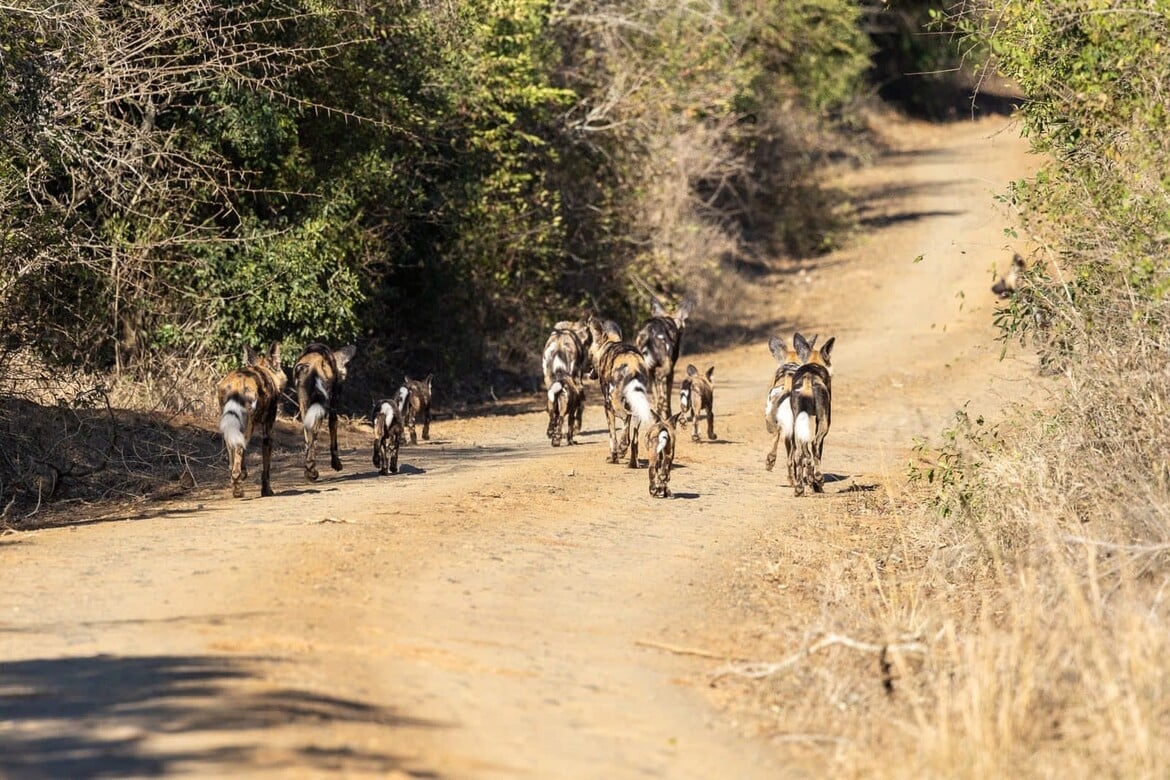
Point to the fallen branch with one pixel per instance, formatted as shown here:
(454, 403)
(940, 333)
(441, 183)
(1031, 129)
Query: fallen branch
(677, 650)
(757, 670)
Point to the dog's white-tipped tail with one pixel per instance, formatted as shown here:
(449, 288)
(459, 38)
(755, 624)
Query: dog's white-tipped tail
(232, 424)
(313, 416)
(553, 391)
(386, 414)
(663, 441)
(636, 398)
(803, 428)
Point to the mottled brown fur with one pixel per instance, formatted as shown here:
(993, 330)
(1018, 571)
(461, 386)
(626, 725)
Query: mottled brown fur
(418, 406)
(659, 341)
(621, 372)
(565, 408)
(319, 374)
(388, 434)
(660, 438)
(696, 397)
(249, 397)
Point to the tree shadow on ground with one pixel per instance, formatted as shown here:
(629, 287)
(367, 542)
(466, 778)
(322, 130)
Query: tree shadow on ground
(95, 716)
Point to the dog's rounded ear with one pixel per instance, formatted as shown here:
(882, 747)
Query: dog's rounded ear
(250, 357)
(778, 349)
(710, 373)
(274, 354)
(827, 348)
(802, 346)
(691, 370)
(344, 355)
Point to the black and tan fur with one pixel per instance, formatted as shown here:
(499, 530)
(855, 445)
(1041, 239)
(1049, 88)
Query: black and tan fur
(811, 403)
(565, 408)
(778, 409)
(388, 433)
(660, 438)
(567, 349)
(319, 374)
(696, 397)
(249, 397)
(415, 396)
(1005, 287)
(624, 380)
(659, 342)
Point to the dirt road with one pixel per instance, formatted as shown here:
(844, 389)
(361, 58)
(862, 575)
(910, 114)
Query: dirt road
(502, 608)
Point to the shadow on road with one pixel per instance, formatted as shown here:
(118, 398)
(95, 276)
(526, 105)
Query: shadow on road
(94, 716)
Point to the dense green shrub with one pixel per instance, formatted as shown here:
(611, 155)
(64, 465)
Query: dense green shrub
(437, 181)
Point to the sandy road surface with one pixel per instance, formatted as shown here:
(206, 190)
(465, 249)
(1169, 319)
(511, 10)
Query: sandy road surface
(500, 608)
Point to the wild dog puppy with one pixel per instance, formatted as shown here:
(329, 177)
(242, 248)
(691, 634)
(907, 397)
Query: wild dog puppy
(695, 396)
(660, 448)
(387, 420)
(777, 409)
(1006, 286)
(565, 404)
(659, 342)
(319, 374)
(248, 397)
(415, 397)
(624, 379)
(811, 403)
(567, 349)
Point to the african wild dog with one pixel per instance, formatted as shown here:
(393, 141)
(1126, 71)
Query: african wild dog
(778, 410)
(415, 399)
(319, 374)
(660, 445)
(565, 405)
(248, 397)
(624, 379)
(567, 349)
(659, 342)
(387, 420)
(811, 401)
(1006, 286)
(695, 397)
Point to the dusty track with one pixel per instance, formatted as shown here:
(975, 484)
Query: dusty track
(502, 608)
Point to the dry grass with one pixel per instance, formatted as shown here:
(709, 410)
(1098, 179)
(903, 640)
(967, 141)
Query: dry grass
(1041, 606)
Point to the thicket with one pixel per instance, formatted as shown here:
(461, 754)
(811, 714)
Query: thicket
(1061, 515)
(439, 181)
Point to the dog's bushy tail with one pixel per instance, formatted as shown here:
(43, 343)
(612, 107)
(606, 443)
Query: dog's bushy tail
(637, 399)
(233, 421)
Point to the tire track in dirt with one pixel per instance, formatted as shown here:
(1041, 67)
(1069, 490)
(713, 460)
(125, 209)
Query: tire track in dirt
(499, 608)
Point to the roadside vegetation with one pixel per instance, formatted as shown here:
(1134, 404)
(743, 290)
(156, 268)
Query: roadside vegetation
(1015, 623)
